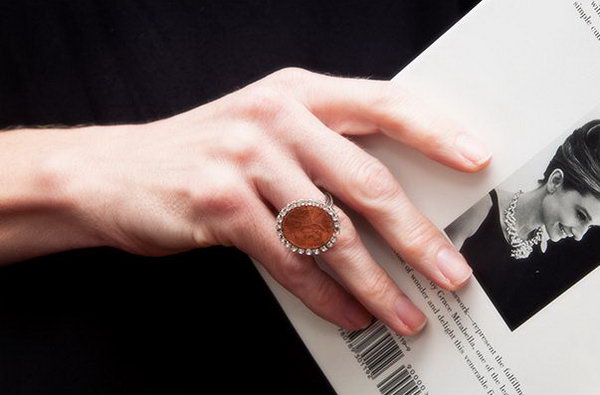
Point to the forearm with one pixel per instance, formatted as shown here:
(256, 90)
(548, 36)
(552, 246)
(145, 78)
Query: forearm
(37, 215)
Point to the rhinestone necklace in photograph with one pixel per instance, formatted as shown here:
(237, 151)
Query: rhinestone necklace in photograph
(520, 248)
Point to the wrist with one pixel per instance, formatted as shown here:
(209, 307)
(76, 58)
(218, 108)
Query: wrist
(39, 209)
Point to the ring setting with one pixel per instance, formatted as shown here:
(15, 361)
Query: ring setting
(307, 226)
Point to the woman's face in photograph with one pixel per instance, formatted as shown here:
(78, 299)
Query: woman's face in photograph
(567, 213)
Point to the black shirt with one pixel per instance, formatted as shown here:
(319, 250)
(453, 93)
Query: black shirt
(105, 322)
(519, 288)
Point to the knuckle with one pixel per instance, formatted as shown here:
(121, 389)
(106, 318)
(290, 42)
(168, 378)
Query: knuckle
(224, 200)
(373, 182)
(263, 104)
(419, 239)
(218, 210)
(433, 144)
(377, 285)
(436, 132)
(290, 75)
(417, 124)
(203, 236)
(294, 275)
(322, 294)
(242, 147)
(295, 272)
(388, 98)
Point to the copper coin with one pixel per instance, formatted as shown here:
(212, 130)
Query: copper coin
(308, 227)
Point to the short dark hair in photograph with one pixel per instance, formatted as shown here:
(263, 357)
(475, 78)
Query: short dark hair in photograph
(579, 159)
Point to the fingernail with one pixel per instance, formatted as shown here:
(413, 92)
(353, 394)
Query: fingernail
(410, 316)
(356, 316)
(453, 266)
(473, 149)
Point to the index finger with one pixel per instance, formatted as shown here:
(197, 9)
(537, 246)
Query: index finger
(359, 106)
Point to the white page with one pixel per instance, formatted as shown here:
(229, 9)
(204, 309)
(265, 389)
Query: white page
(520, 74)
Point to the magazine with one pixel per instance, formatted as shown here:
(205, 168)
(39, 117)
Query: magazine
(523, 75)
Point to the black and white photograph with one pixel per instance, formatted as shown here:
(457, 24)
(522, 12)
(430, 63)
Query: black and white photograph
(536, 234)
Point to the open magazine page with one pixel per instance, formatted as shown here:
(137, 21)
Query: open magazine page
(522, 74)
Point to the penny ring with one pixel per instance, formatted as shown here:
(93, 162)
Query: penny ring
(307, 226)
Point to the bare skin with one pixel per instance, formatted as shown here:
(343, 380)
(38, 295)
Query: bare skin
(218, 174)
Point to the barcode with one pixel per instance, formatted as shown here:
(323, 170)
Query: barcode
(374, 348)
(400, 382)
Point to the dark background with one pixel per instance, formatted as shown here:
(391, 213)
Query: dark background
(100, 321)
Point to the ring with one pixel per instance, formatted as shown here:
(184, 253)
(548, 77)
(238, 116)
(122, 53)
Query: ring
(307, 226)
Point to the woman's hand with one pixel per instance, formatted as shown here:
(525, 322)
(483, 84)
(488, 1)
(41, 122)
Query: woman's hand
(218, 174)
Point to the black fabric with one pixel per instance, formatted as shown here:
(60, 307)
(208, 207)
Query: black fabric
(101, 321)
(503, 278)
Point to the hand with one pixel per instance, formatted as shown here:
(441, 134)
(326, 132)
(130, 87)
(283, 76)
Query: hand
(218, 174)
